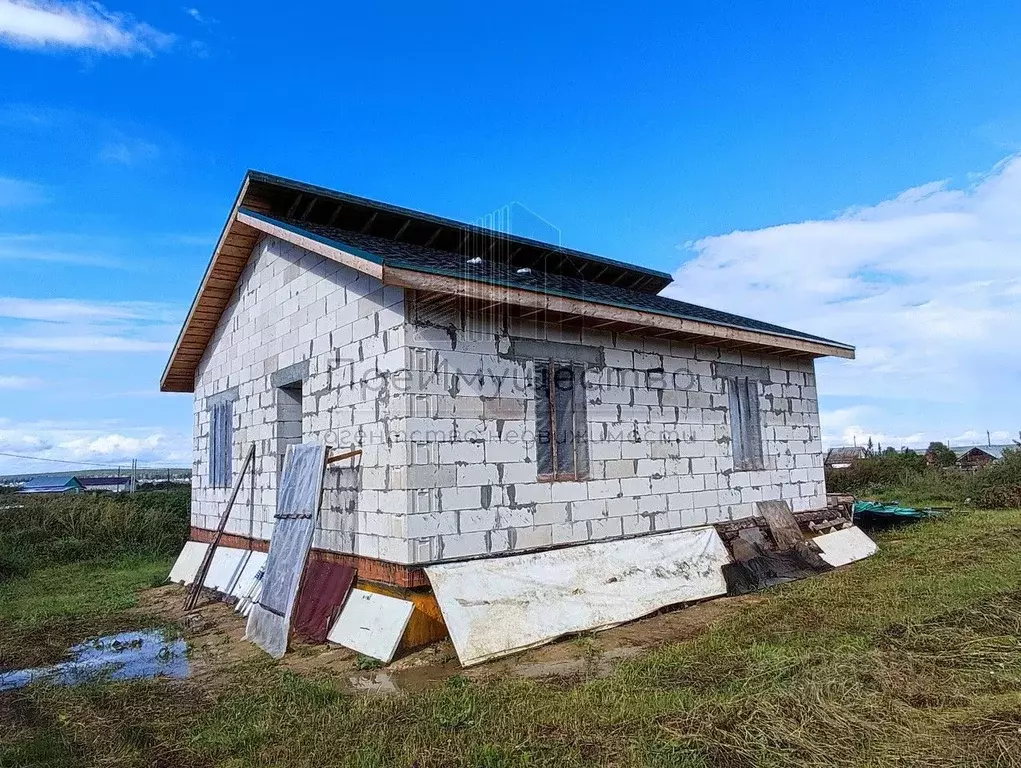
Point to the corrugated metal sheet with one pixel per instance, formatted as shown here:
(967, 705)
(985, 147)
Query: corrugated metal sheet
(298, 499)
(324, 588)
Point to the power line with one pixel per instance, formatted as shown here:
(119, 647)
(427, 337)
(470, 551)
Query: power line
(77, 463)
(56, 461)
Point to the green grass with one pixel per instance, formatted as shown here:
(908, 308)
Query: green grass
(910, 658)
(52, 608)
(44, 530)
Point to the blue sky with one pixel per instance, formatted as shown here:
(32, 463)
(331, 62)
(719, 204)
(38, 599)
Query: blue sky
(849, 171)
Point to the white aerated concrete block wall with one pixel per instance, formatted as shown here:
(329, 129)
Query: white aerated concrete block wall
(445, 415)
(659, 438)
(344, 334)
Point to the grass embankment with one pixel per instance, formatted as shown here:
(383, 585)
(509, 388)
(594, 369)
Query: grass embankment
(910, 658)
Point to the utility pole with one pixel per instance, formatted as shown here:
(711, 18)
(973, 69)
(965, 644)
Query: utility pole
(134, 475)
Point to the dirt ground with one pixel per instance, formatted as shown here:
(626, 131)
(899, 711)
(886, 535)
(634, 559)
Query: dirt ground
(215, 634)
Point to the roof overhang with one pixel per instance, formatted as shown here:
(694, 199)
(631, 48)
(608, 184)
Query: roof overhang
(248, 223)
(615, 318)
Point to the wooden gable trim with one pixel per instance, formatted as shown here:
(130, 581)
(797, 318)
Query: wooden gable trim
(229, 258)
(316, 246)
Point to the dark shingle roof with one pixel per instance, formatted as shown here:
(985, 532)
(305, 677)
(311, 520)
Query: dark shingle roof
(419, 258)
(286, 198)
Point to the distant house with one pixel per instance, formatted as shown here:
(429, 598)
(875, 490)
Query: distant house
(974, 457)
(53, 484)
(842, 458)
(105, 483)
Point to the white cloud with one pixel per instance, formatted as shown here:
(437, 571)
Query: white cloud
(89, 343)
(927, 285)
(69, 310)
(125, 151)
(14, 192)
(55, 249)
(97, 443)
(76, 25)
(19, 382)
(46, 326)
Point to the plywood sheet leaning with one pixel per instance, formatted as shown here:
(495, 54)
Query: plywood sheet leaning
(845, 546)
(298, 498)
(372, 624)
(188, 562)
(499, 606)
(782, 525)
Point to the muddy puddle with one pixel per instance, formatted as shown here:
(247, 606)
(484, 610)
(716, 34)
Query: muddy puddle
(125, 656)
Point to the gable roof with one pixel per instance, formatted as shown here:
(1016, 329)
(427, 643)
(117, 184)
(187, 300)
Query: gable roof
(846, 453)
(429, 253)
(996, 451)
(51, 484)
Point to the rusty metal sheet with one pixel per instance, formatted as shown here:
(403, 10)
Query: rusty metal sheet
(324, 588)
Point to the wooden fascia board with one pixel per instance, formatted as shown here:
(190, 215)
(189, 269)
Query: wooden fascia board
(505, 294)
(216, 285)
(313, 244)
(206, 279)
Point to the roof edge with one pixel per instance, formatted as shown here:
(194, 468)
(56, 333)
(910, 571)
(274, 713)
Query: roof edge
(242, 191)
(301, 186)
(442, 283)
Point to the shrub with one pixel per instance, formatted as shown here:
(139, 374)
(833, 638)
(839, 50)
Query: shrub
(47, 530)
(884, 470)
(906, 475)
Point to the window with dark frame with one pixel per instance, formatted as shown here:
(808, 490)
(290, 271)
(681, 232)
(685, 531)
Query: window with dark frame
(221, 439)
(561, 425)
(745, 422)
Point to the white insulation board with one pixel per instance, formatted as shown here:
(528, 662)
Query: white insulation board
(498, 606)
(227, 566)
(372, 624)
(188, 562)
(845, 546)
(256, 560)
(230, 572)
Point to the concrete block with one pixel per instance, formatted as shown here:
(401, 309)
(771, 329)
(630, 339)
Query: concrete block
(530, 538)
(551, 513)
(460, 498)
(459, 545)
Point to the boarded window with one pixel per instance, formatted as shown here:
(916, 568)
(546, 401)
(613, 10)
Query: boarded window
(561, 426)
(745, 422)
(221, 439)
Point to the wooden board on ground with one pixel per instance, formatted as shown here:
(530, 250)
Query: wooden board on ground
(782, 525)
